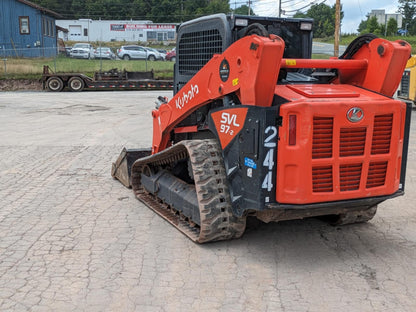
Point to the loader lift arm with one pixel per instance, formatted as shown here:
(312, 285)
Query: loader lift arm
(249, 68)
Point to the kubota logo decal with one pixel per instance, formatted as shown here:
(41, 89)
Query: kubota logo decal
(186, 96)
(224, 70)
(229, 123)
(355, 114)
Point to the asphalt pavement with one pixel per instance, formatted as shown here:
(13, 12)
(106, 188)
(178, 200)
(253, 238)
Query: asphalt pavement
(74, 239)
(326, 48)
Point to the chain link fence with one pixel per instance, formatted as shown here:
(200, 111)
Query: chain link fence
(21, 62)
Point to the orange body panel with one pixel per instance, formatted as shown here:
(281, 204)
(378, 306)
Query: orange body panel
(334, 158)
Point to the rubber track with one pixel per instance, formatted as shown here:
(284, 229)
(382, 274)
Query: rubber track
(217, 220)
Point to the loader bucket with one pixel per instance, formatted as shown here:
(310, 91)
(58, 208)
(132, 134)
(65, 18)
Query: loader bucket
(121, 169)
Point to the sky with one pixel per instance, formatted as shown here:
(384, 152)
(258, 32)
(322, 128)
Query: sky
(354, 10)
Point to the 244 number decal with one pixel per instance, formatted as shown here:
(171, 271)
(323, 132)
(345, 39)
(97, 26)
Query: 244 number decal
(268, 162)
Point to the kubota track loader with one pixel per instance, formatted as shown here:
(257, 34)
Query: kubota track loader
(257, 129)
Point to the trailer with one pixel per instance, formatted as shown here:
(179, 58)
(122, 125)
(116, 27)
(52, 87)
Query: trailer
(109, 80)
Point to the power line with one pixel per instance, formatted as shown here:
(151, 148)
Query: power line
(303, 9)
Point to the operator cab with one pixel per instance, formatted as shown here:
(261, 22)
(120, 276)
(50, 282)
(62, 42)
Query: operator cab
(198, 40)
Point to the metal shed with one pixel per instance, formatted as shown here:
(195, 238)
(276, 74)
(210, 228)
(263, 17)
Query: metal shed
(27, 29)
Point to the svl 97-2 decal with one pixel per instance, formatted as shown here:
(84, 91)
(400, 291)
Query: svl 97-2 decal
(229, 123)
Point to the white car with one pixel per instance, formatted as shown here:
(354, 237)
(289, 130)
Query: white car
(82, 50)
(104, 53)
(136, 52)
(159, 56)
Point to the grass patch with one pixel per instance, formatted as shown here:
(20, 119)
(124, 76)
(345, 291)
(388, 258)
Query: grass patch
(19, 68)
(321, 56)
(346, 40)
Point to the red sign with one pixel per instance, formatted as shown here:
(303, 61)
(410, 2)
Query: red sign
(134, 27)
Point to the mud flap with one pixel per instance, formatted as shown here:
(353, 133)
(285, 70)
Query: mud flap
(121, 169)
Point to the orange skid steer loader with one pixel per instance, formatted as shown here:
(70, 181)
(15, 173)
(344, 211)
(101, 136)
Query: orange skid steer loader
(257, 128)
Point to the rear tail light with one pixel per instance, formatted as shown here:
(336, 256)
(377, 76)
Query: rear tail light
(292, 129)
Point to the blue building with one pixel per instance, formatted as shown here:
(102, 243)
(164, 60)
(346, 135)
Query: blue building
(27, 29)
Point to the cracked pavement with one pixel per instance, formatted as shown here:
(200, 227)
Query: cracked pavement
(74, 239)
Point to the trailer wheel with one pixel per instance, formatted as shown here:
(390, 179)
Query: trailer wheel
(55, 84)
(76, 84)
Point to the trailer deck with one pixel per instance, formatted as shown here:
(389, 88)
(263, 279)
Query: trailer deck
(109, 80)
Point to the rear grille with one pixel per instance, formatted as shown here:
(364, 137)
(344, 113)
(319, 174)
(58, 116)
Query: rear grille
(350, 176)
(322, 179)
(383, 125)
(376, 174)
(352, 141)
(352, 144)
(322, 137)
(196, 49)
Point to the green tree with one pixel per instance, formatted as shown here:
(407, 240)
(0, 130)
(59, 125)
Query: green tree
(243, 10)
(61, 7)
(324, 19)
(77, 6)
(391, 27)
(192, 8)
(53, 5)
(167, 11)
(362, 28)
(408, 9)
(183, 10)
(372, 25)
(140, 9)
(217, 6)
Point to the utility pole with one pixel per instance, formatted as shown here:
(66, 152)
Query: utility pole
(249, 6)
(280, 8)
(182, 11)
(337, 27)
